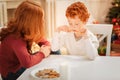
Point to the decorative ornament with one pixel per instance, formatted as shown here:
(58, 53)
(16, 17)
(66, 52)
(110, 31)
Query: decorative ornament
(116, 5)
(114, 20)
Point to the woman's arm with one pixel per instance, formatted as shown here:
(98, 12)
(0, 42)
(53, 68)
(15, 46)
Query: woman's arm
(25, 58)
(44, 42)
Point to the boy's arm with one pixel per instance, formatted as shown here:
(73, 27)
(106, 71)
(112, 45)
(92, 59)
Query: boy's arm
(55, 45)
(58, 41)
(91, 46)
(94, 40)
(91, 50)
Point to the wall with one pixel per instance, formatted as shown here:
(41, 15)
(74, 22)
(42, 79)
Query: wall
(99, 8)
(60, 9)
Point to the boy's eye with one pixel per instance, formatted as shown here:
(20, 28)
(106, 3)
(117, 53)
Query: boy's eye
(70, 23)
(76, 24)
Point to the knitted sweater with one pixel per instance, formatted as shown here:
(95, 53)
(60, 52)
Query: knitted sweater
(14, 55)
(83, 47)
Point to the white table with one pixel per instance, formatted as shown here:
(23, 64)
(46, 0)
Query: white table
(102, 68)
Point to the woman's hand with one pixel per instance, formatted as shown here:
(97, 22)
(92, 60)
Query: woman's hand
(46, 50)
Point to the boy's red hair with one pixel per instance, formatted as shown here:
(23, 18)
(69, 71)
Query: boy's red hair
(78, 9)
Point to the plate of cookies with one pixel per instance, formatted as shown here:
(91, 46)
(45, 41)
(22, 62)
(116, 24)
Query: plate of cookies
(45, 74)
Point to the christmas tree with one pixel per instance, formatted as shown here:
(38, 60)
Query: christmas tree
(114, 13)
(113, 17)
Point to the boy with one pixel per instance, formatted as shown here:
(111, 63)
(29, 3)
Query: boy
(76, 38)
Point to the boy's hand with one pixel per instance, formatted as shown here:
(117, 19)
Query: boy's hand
(64, 28)
(81, 33)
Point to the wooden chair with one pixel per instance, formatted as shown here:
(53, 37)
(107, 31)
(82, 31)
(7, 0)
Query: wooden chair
(103, 31)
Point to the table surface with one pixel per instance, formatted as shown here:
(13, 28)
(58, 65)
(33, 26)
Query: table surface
(80, 68)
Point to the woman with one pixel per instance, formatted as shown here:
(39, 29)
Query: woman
(23, 42)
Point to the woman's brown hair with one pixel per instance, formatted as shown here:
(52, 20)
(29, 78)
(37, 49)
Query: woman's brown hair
(78, 9)
(28, 23)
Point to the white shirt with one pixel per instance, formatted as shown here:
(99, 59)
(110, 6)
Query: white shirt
(83, 47)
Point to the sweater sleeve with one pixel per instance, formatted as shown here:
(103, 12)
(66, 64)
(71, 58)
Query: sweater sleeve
(26, 59)
(90, 49)
(57, 41)
(91, 46)
(44, 42)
